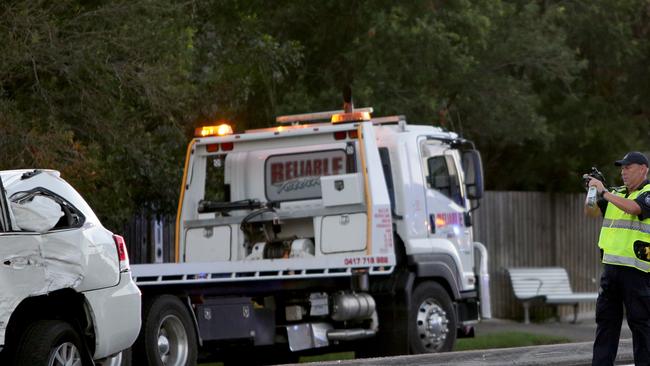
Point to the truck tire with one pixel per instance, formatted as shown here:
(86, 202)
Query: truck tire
(50, 343)
(432, 321)
(167, 336)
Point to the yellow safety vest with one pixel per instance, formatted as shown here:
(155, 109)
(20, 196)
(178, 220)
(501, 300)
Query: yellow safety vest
(619, 233)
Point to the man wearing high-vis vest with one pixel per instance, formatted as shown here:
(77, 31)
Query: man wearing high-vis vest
(625, 248)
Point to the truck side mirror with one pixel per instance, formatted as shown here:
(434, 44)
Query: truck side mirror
(473, 169)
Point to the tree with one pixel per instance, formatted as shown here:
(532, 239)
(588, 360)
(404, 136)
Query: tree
(605, 115)
(97, 92)
(472, 66)
(110, 92)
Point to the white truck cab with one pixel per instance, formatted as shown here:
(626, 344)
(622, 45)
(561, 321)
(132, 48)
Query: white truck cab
(66, 292)
(331, 229)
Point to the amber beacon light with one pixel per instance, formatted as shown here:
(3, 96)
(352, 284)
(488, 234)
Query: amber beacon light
(219, 130)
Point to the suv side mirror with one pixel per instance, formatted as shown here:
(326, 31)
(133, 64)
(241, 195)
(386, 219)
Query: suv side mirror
(473, 169)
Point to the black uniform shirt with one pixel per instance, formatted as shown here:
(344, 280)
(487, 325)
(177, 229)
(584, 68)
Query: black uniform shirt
(643, 200)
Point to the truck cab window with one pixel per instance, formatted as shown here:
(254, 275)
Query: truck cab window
(215, 188)
(443, 177)
(388, 175)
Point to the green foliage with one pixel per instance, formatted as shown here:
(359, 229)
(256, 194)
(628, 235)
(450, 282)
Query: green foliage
(604, 115)
(96, 91)
(110, 92)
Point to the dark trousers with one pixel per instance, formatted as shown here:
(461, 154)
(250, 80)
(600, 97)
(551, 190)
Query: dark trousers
(622, 286)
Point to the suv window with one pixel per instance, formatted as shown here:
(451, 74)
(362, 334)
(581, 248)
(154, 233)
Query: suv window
(71, 217)
(443, 177)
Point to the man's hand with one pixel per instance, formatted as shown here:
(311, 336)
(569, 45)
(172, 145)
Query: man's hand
(600, 187)
(627, 205)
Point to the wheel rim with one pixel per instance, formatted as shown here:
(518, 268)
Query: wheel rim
(66, 354)
(432, 325)
(173, 347)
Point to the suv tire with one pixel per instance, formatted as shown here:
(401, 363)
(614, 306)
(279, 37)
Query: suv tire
(50, 343)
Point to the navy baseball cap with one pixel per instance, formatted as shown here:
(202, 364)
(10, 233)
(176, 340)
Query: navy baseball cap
(633, 157)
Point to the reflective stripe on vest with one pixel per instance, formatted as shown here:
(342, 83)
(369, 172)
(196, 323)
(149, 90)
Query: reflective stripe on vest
(626, 261)
(627, 224)
(620, 231)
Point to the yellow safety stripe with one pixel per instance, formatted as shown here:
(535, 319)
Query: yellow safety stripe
(364, 171)
(177, 228)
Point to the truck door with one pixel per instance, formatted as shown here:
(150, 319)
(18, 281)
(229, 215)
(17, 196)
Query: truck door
(446, 202)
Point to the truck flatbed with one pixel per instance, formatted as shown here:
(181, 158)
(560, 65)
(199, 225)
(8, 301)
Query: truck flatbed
(269, 269)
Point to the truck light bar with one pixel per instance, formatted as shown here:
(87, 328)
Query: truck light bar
(355, 116)
(219, 130)
(318, 116)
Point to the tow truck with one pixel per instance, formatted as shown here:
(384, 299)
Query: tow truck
(331, 230)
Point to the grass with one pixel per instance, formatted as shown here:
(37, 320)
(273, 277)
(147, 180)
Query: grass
(487, 341)
(506, 340)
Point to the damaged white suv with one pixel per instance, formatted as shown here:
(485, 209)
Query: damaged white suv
(66, 293)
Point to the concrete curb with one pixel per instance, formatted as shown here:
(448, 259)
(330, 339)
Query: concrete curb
(567, 354)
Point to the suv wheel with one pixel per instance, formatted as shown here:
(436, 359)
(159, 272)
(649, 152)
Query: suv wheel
(50, 343)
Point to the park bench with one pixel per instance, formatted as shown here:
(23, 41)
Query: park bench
(549, 285)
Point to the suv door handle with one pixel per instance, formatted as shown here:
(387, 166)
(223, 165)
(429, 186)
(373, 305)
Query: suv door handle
(17, 262)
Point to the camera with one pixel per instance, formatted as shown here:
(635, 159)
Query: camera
(593, 173)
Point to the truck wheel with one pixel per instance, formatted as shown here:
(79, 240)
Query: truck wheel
(50, 343)
(432, 321)
(167, 337)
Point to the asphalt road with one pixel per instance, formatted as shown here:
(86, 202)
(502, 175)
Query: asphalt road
(568, 354)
